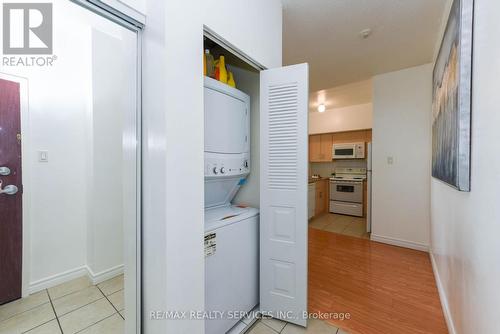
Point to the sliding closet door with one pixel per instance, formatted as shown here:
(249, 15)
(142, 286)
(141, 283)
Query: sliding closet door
(283, 192)
(79, 146)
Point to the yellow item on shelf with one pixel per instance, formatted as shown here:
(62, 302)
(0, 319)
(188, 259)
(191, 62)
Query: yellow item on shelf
(216, 71)
(222, 70)
(230, 81)
(209, 64)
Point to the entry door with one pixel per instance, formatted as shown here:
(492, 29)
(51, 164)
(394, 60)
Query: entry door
(10, 199)
(283, 192)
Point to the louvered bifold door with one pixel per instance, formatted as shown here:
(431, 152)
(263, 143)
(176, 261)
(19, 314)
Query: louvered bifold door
(283, 192)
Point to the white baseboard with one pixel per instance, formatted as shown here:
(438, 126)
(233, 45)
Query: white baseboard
(104, 275)
(400, 242)
(57, 279)
(442, 296)
(69, 275)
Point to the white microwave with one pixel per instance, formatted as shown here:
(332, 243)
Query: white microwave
(349, 151)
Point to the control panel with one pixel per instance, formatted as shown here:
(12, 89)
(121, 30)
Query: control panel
(222, 165)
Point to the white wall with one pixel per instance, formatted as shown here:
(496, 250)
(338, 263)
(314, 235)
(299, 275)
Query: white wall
(401, 130)
(173, 268)
(465, 227)
(249, 82)
(356, 117)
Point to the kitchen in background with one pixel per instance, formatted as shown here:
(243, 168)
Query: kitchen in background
(339, 198)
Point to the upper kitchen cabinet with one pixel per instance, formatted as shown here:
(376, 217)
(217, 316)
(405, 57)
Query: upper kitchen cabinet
(326, 146)
(352, 136)
(315, 148)
(320, 147)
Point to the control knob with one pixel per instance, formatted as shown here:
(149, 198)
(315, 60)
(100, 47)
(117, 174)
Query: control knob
(222, 170)
(215, 170)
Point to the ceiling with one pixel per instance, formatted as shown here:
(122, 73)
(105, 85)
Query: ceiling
(325, 33)
(342, 96)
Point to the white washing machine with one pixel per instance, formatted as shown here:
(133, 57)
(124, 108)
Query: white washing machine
(231, 265)
(231, 232)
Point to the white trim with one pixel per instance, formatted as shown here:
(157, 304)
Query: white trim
(212, 35)
(104, 275)
(135, 284)
(51, 281)
(400, 242)
(126, 10)
(25, 177)
(115, 11)
(442, 296)
(244, 324)
(95, 278)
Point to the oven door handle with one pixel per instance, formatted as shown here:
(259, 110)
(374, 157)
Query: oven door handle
(347, 204)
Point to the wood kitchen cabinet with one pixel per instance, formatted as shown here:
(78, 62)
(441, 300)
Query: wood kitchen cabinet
(315, 148)
(322, 188)
(326, 146)
(320, 147)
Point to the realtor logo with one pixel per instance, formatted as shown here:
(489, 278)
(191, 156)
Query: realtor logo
(27, 28)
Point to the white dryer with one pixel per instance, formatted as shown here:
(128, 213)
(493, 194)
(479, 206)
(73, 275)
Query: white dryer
(231, 232)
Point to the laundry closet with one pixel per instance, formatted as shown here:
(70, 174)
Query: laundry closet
(255, 167)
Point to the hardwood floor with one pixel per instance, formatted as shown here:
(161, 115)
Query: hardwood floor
(385, 289)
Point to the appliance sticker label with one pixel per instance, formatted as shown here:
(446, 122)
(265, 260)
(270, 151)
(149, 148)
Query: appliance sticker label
(210, 244)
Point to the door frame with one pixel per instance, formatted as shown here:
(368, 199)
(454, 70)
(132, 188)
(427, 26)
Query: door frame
(25, 177)
(211, 34)
(221, 41)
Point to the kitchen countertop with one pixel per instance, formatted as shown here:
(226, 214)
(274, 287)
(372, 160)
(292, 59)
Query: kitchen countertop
(311, 180)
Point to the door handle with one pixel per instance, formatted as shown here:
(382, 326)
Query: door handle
(9, 189)
(4, 171)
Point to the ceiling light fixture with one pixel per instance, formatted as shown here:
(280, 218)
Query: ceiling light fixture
(365, 33)
(321, 108)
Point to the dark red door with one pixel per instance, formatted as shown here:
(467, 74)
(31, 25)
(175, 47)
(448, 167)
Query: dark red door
(11, 224)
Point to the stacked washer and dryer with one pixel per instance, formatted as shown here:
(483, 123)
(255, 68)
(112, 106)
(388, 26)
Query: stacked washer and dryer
(231, 231)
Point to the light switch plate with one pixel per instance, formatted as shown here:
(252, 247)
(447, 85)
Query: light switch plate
(390, 160)
(43, 156)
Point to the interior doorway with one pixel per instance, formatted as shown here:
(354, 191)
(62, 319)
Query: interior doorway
(70, 177)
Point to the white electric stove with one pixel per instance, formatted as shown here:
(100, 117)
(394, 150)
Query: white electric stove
(346, 191)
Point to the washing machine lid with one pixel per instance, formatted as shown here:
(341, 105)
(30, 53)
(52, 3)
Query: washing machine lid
(225, 215)
(221, 191)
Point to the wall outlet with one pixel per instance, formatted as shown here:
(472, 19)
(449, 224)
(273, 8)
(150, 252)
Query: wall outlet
(390, 160)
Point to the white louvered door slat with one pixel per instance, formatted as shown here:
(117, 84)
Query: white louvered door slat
(283, 192)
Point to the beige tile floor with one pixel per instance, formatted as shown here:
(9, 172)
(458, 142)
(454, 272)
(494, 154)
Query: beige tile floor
(347, 225)
(273, 326)
(73, 307)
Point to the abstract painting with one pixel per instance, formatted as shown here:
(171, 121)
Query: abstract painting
(451, 107)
